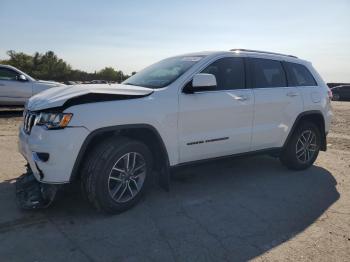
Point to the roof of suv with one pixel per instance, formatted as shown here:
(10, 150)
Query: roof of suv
(253, 53)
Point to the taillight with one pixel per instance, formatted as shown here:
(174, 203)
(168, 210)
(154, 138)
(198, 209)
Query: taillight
(330, 94)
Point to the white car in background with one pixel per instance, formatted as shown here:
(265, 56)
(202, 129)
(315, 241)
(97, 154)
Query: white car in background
(16, 87)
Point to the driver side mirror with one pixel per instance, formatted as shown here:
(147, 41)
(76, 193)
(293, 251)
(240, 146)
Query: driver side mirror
(22, 78)
(201, 82)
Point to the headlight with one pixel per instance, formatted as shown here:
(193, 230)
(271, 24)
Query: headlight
(53, 120)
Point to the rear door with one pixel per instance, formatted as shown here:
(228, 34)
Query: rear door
(217, 122)
(13, 91)
(276, 103)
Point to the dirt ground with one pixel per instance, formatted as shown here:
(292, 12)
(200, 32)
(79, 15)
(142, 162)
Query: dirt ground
(233, 210)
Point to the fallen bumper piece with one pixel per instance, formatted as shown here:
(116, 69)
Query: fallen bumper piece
(31, 194)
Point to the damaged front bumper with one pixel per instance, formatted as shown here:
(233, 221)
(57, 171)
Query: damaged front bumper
(51, 154)
(31, 194)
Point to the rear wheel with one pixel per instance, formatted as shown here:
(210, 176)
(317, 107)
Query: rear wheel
(303, 147)
(116, 173)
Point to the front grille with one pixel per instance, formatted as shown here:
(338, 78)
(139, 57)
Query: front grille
(29, 121)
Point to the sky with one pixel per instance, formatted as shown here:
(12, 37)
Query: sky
(129, 35)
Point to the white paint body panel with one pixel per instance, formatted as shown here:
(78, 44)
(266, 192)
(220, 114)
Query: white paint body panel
(262, 120)
(56, 97)
(156, 110)
(274, 115)
(62, 145)
(215, 115)
(316, 97)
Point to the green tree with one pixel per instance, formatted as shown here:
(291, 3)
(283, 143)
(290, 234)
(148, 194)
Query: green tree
(49, 66)
(20, 60)
(108, 73)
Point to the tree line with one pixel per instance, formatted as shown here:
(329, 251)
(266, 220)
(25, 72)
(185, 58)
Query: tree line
(47, 66)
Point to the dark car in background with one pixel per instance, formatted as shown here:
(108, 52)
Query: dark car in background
(341, 92)
(99, 82)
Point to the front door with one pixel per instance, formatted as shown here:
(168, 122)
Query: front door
(217, 122)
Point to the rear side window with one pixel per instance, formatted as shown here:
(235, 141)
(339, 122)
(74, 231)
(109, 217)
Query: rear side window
(229, 73)
(299, 75)
(267, 73)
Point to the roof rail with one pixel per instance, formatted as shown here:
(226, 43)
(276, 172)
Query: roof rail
(262, 52)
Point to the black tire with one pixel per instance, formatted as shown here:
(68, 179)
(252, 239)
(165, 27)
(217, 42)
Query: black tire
(289, 156)
(98, 166)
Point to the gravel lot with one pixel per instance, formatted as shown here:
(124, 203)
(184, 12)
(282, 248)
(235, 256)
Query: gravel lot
(236, 210)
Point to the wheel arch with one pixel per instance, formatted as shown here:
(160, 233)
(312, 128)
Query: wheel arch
(313, 116)
(141, 132)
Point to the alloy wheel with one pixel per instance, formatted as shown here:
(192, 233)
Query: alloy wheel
(306, 146)
(126, 177)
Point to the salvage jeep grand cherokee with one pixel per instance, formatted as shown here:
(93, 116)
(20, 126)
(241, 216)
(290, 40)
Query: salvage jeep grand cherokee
(179, 111)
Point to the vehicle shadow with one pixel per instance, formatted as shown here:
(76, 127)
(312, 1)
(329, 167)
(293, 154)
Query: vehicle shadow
(224, 210)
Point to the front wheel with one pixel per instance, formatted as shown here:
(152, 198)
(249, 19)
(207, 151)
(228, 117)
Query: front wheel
(116, 173)
(303, 147)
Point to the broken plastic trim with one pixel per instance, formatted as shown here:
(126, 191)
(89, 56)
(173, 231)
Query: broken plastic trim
(31, 194)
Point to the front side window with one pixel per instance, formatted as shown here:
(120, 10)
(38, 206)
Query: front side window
(267, 73)
(7, 74)
(229, 73)
(299, 75)
(164, 72)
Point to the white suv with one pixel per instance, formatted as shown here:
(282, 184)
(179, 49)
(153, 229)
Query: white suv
(179, 111)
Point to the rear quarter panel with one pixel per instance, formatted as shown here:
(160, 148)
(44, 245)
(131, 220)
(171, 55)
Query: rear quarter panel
(316, 97)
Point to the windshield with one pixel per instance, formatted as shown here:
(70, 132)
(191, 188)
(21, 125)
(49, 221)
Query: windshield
(164, 72)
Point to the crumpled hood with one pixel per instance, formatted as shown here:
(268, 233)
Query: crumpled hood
(58, 96)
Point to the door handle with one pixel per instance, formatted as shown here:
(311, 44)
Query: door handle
(241, 98)
(292, 94)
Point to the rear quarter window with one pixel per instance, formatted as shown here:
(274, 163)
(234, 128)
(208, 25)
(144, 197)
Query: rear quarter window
(299, 75)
